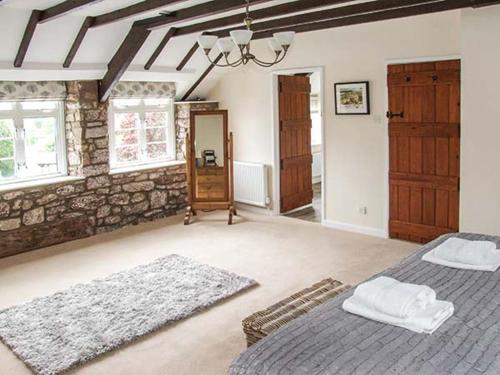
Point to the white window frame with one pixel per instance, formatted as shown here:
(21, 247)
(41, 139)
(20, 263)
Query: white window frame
(18, 114)
(142, 108)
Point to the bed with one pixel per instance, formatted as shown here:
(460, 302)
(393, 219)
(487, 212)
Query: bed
(328, 340)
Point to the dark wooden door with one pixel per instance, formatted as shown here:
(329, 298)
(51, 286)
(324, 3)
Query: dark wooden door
(295, 142)
(424, 134)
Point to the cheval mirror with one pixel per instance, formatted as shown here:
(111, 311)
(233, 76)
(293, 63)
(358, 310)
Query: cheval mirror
(209, 152)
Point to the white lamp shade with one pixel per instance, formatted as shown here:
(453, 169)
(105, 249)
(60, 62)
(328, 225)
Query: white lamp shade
(241, 37)
(207, 41)
(225, 45)
(284, 38)
(275, 45)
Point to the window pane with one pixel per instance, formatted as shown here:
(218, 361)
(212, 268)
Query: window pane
(127, 154)
(126, 138)
(39, 106)
(6, 128)
(6, 106)
(156, 135)
(125, 103)
(154, 119)
(6, 168)
(156, 102)
(40, 146)
(6, 148)
(156, 151)
(127, 121)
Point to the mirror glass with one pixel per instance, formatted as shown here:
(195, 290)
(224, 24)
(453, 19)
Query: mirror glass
(210, 176)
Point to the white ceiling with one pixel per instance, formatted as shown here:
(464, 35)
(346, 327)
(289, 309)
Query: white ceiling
(53, 39)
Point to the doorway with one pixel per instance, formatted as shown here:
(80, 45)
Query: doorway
(299, 152)
(424, 149)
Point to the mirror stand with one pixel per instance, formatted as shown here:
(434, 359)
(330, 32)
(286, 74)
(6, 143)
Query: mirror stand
(209, 161)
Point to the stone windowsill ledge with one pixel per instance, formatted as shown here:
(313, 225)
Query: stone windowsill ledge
(146, 167)
(40, 182)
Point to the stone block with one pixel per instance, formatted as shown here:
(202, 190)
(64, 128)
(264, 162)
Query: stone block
(34, 216)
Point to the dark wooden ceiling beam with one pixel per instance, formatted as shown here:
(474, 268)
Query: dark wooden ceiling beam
(170, 33)
(110, 17)
(122, 59)
(87, 24)
(408, 11)
(27, 36)
(201, 78)
(209, 8)
(41, 16)
(64, 8)
(132, 44)
(132, 10)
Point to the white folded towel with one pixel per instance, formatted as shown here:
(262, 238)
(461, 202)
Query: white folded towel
(391, 297)
(424, 321)
(460, 253)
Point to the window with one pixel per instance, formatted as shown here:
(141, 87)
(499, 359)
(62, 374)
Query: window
(31, 140)
(141, 131)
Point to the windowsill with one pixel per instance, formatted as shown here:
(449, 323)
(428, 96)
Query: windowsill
(143, 167)
(40, 182)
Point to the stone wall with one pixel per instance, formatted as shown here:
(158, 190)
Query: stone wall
(96, 201)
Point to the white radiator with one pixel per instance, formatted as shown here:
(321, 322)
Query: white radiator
(250, 183)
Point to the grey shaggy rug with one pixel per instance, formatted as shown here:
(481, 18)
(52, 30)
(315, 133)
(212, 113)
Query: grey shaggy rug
(56, 333)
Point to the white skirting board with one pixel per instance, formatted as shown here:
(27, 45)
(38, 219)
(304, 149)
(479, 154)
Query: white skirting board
(375, 232)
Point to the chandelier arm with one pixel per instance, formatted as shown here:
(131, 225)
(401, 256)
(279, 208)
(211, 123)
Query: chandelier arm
(279, 58)
(227, 65)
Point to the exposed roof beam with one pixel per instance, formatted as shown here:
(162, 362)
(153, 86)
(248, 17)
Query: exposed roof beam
(188, 56)
(110, 17)
(202, 77)
(28, 35)
(40, 16)
(408, 11)
(131, 45)
(64, 8)
(132, 10)
(170, 33)
(87, 24)
(122, 59)
(274, 11)
(209, 8)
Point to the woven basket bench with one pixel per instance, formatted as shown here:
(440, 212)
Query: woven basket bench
(262, 323)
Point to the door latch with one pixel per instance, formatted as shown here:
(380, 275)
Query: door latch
(390, 114)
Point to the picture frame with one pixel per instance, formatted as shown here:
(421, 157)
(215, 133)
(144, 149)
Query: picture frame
(352, 98)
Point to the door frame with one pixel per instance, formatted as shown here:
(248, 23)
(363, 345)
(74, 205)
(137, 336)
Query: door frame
(276, 134)
(410, 60)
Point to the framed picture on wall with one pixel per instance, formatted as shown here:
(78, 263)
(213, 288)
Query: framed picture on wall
(352, 98)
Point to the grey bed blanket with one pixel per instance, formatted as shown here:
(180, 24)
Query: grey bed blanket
(330, 341)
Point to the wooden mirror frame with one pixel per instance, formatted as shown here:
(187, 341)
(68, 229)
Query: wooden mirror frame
(194, 203)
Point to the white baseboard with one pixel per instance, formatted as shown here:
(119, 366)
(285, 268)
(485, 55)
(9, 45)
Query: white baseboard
(375, 232)
(254, 209)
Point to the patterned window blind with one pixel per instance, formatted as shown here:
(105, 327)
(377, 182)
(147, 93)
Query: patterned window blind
(36, 90)
(143, 90)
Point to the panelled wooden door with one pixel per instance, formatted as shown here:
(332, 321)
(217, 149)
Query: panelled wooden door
(295, 142)
(424, 139)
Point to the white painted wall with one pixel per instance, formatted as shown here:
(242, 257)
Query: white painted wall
(356, 152)
(480, 175)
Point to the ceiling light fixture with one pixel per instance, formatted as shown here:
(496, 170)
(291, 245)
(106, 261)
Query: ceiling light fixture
(279, 43)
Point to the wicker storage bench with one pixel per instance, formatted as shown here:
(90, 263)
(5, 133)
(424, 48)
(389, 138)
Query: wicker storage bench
(262, 323)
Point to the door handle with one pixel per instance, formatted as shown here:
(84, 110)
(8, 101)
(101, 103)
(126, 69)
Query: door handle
(390, 114)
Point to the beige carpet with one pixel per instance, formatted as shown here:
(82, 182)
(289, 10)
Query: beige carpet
(282, 254)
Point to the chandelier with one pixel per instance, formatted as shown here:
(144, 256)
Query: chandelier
(279, 43)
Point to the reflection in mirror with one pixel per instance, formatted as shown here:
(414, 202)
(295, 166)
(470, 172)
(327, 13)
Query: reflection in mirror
(210, 177)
